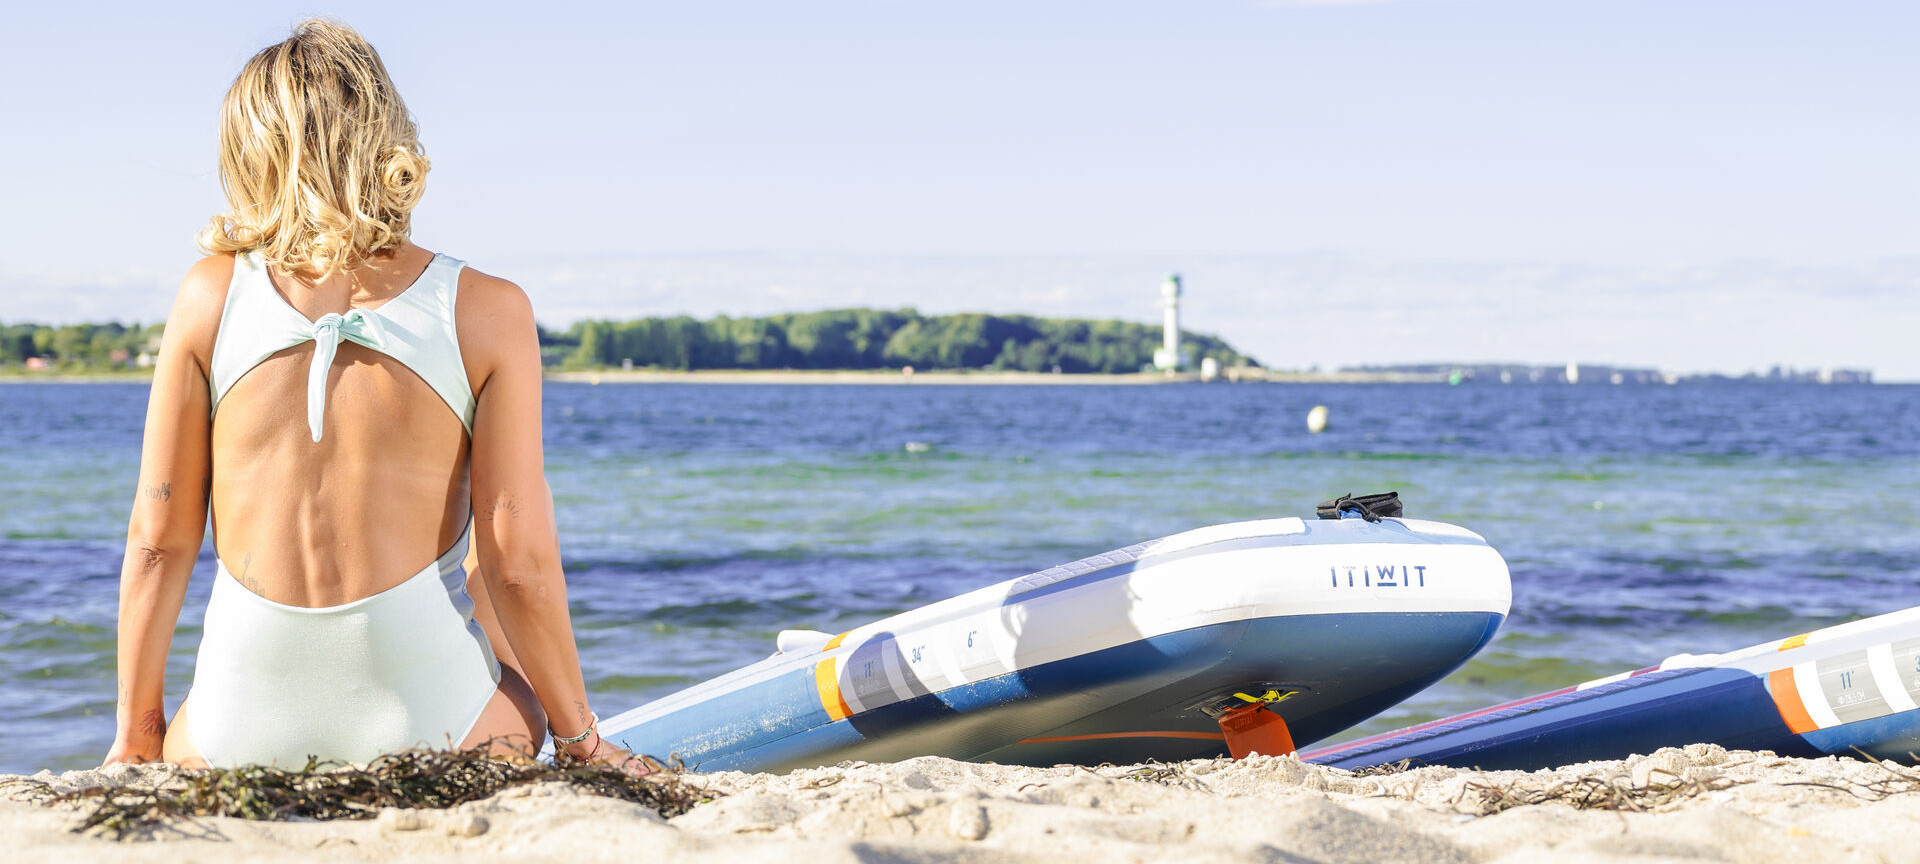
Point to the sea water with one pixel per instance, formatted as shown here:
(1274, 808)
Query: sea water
(699, 520)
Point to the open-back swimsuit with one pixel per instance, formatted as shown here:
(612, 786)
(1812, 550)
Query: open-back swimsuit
(276, 684)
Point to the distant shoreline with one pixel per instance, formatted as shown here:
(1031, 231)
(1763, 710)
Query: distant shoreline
(893, 377)
(138, 377)
(886, 377)
(879, 377)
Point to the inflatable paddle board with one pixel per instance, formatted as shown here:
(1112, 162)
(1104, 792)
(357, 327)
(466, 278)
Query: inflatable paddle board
(1849, 689)
(1247, 636)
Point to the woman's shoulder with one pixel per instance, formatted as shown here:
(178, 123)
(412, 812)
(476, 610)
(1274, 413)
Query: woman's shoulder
(201, 300)
(207, 281)
(488, 302)
(493, 320)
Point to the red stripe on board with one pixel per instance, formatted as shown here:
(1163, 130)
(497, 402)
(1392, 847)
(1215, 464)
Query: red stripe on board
(1196, 736)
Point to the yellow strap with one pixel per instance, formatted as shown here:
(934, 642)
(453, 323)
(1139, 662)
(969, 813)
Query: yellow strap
(1269, 696)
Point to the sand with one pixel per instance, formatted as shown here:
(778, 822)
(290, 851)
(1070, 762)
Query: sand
(1702, 804)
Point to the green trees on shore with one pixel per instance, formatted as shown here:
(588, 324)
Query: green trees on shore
(835, 339)
(77, 347)
(874, 339)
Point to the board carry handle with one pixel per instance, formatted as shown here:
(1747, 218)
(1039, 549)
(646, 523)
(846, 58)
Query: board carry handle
(1369, 507)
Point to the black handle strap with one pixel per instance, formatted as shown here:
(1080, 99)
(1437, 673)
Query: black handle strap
(1372, 508)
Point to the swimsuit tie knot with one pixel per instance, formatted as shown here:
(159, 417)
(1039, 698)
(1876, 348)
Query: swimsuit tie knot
(358, 325)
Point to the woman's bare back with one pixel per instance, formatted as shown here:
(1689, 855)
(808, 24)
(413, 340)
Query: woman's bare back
(380, 496)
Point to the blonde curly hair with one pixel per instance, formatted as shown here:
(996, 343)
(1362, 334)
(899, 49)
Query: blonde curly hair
(319, 159)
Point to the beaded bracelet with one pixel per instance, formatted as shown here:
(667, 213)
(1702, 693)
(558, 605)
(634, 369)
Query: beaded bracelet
(560, 741)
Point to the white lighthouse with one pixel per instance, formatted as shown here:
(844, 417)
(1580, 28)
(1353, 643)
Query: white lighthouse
(1167, 359)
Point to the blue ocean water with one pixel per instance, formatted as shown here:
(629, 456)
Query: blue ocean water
(699, 520)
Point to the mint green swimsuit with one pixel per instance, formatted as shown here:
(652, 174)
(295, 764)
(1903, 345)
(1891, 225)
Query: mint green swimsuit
(407, 667)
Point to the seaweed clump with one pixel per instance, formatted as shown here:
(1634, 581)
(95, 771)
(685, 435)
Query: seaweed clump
(1155, 771)
(1593, 793)
(1660, 788)
(1385, 769)
(409, 780)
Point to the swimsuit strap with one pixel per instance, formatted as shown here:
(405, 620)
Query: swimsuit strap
(416, 328)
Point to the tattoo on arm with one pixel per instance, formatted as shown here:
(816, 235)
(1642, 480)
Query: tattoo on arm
(508, 505)
(152, 723)
(160, 491)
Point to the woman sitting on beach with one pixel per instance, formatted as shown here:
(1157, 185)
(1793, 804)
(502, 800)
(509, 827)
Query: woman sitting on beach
(354, 410)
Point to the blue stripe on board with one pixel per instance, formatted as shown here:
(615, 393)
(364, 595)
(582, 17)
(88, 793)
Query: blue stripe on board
(962, 718)
(1893, 736)
(1352, 665)
(1673, 708)
(1347, 668)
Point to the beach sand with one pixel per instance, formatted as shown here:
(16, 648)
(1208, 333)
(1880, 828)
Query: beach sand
(1701, 804)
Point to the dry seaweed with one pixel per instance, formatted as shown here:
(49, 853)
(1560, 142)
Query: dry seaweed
(1154, 771)
(1174, 774)
(1896, 782)
(1591, 793)
(413, 779)
(1384, 769)
(1660, 790)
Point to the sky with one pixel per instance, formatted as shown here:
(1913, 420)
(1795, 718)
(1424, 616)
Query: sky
(1694, 185)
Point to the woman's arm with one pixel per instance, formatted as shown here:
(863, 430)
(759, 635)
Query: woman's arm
(169, 512)
(515, 536)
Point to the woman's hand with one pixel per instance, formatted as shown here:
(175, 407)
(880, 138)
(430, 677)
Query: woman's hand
(139, 744)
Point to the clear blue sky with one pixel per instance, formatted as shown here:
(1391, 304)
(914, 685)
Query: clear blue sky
(1693, 184)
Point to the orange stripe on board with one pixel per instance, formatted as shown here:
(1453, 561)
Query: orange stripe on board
(1197, 736)
(1786, 697)
(828, 684)
(1792, 642)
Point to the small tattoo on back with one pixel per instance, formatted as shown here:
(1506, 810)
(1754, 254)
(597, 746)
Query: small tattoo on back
(246, 566)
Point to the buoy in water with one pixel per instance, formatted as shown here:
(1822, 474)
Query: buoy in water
(1317, 419)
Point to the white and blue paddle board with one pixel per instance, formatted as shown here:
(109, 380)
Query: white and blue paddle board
(1140, 653)
(1851, 689)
